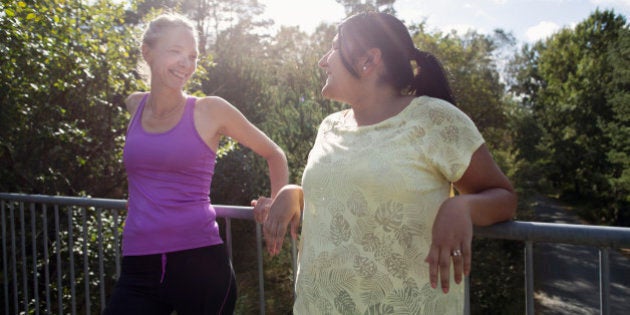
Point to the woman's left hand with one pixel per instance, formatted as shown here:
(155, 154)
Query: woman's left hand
(451, 241)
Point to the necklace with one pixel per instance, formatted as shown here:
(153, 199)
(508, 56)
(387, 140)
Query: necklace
(166, 114)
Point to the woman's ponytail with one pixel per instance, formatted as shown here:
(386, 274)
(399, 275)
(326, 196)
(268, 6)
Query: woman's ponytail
(430, 79)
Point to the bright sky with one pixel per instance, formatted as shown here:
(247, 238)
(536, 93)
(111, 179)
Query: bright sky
(528, 20)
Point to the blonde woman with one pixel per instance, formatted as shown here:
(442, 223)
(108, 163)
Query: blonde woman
(173, 256)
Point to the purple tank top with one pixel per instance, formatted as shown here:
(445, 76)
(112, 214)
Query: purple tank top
(169, 176)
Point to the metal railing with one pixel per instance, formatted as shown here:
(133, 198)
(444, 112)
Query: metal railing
(73, 246)
(604, 238)
(86, 232)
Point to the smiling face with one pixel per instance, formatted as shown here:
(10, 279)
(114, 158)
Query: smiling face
(172, 57)
(339, 80)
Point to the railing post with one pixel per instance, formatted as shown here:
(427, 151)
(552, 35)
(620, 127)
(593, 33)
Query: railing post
(604, 281)
(34, 253)
(529, 277)
(23, 252)
(5, 269)
(73, 281)
(294, 264)
(467, 295)
(86, 261)
(228, 237)
(261, 280)
(16, 306)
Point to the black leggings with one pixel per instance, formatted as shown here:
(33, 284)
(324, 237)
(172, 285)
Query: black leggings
(193, 282)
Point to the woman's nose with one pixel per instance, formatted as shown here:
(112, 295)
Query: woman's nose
(323, 60)
(184, 61)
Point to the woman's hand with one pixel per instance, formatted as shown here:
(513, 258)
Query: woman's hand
(286, 208)
(451, 241)
(261, 208)
(486, 197)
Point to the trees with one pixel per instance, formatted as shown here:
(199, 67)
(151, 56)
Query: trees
(355, 6)
(66, 67)
(576, 88)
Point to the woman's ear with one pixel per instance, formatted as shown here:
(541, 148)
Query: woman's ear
(146, 53)
(370, 60)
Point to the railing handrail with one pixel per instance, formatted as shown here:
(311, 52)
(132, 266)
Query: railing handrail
(582, 234)
(235, 212)
(578, 234)
(602, 237)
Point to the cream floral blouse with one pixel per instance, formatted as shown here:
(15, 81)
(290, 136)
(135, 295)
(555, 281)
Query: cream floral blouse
(371, 194)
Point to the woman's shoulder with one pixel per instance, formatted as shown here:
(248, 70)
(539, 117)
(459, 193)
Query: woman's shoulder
(332, 119)
(133, 101)
(432, 103)
(215, 108)
(437, 110)
(212, 103)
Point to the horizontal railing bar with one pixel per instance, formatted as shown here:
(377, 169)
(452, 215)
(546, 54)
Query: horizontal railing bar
(588, 235)
(67, 201)
(233, 212)
(604, 237)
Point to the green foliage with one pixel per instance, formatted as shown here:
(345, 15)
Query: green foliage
(575, 87)
(69, 64)
(474, 77)
(355, 6)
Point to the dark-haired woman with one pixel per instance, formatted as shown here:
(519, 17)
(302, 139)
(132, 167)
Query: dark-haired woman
(375, 195)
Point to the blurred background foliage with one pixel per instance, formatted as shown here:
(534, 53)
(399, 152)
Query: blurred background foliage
(555, 113)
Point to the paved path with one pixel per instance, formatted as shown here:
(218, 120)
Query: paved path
(566, 277)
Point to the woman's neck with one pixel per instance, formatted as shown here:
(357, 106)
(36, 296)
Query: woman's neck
(163, 103)
(377, 107)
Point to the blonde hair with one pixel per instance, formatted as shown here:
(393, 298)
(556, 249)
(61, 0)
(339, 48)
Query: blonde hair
(164, 22)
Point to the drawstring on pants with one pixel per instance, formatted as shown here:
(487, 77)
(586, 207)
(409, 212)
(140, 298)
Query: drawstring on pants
(163, 267)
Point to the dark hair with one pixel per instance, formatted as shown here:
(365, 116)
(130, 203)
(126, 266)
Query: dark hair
(367, 30)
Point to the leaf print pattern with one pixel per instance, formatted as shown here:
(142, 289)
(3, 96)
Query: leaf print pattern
(339, 230)
(375, 288)
(324, 307)
(396, 265)
(404, 235)
(416, 133)
(408, 301)
(380, 309)
(371, 194)
(356, 203)
(388, 215)
(450, 134)
(370, 242)
(364, 266)
(437, 116)
(344, 303)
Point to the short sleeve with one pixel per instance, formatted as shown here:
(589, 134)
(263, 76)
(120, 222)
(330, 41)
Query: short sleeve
(451, 140)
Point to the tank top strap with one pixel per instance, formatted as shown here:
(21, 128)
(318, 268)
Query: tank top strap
(189, 111)
(137, 116)
(190, 106)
